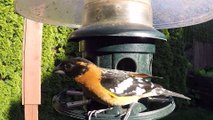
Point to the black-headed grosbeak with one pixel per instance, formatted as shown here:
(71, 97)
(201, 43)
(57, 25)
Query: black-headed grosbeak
(110, 86)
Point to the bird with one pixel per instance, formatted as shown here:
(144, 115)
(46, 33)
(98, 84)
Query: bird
(112, 87)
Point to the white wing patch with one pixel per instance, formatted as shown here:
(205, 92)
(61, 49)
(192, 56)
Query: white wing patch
(139, 91)
(112, 90)
(152, 85)
(140, 85)
(155, 92)
(123, 86)
(139, 79)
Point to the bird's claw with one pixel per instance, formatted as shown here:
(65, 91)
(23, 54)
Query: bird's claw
(96, 112)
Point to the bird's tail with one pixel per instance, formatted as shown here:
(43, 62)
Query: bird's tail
(174, 94)
(158, 91)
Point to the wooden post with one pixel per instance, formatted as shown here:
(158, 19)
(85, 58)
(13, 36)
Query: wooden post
(31, 69)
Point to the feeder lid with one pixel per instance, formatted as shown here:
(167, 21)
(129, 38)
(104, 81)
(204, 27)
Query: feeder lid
(56, 12)
(166, 13)
(116, 30)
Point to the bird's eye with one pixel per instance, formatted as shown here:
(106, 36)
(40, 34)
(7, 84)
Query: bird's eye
(68, 66)
(65, 67)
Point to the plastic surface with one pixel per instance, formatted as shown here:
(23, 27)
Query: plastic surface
(166, 13)
(56, 12)
(60, 104)
(116, 30)
(132, 56)
(180, 13)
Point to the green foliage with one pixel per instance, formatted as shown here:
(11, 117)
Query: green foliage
(163, 60)
(204, 73)
(171, 63)
(10, 59)
(55, 47)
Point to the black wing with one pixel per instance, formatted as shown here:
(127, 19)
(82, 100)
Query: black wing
(124, 83)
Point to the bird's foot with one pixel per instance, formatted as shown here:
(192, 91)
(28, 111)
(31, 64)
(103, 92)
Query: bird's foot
(95, 112)
(128, 112)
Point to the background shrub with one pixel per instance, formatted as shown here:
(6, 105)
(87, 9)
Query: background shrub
(11, 29)
(171, 63)
(54, 47)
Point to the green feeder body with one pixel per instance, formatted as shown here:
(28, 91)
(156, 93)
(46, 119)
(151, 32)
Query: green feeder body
(136, 57)
(132, 51)
(116, 36)
(119, 46)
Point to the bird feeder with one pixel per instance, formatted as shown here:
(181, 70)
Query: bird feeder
(118, 34)
(114, 38)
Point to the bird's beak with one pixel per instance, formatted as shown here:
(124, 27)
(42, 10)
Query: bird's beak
(61, 72)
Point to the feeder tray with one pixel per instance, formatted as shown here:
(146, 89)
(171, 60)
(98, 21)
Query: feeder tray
(75, 110)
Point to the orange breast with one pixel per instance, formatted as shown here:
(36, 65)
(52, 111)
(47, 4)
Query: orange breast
(93, 75)
(91, 81)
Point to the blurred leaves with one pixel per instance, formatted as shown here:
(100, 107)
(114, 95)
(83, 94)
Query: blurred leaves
(11, 29)
(55, 48)
(170, 62)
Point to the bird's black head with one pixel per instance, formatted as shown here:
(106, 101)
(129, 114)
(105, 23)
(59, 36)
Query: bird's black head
(73, 67)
